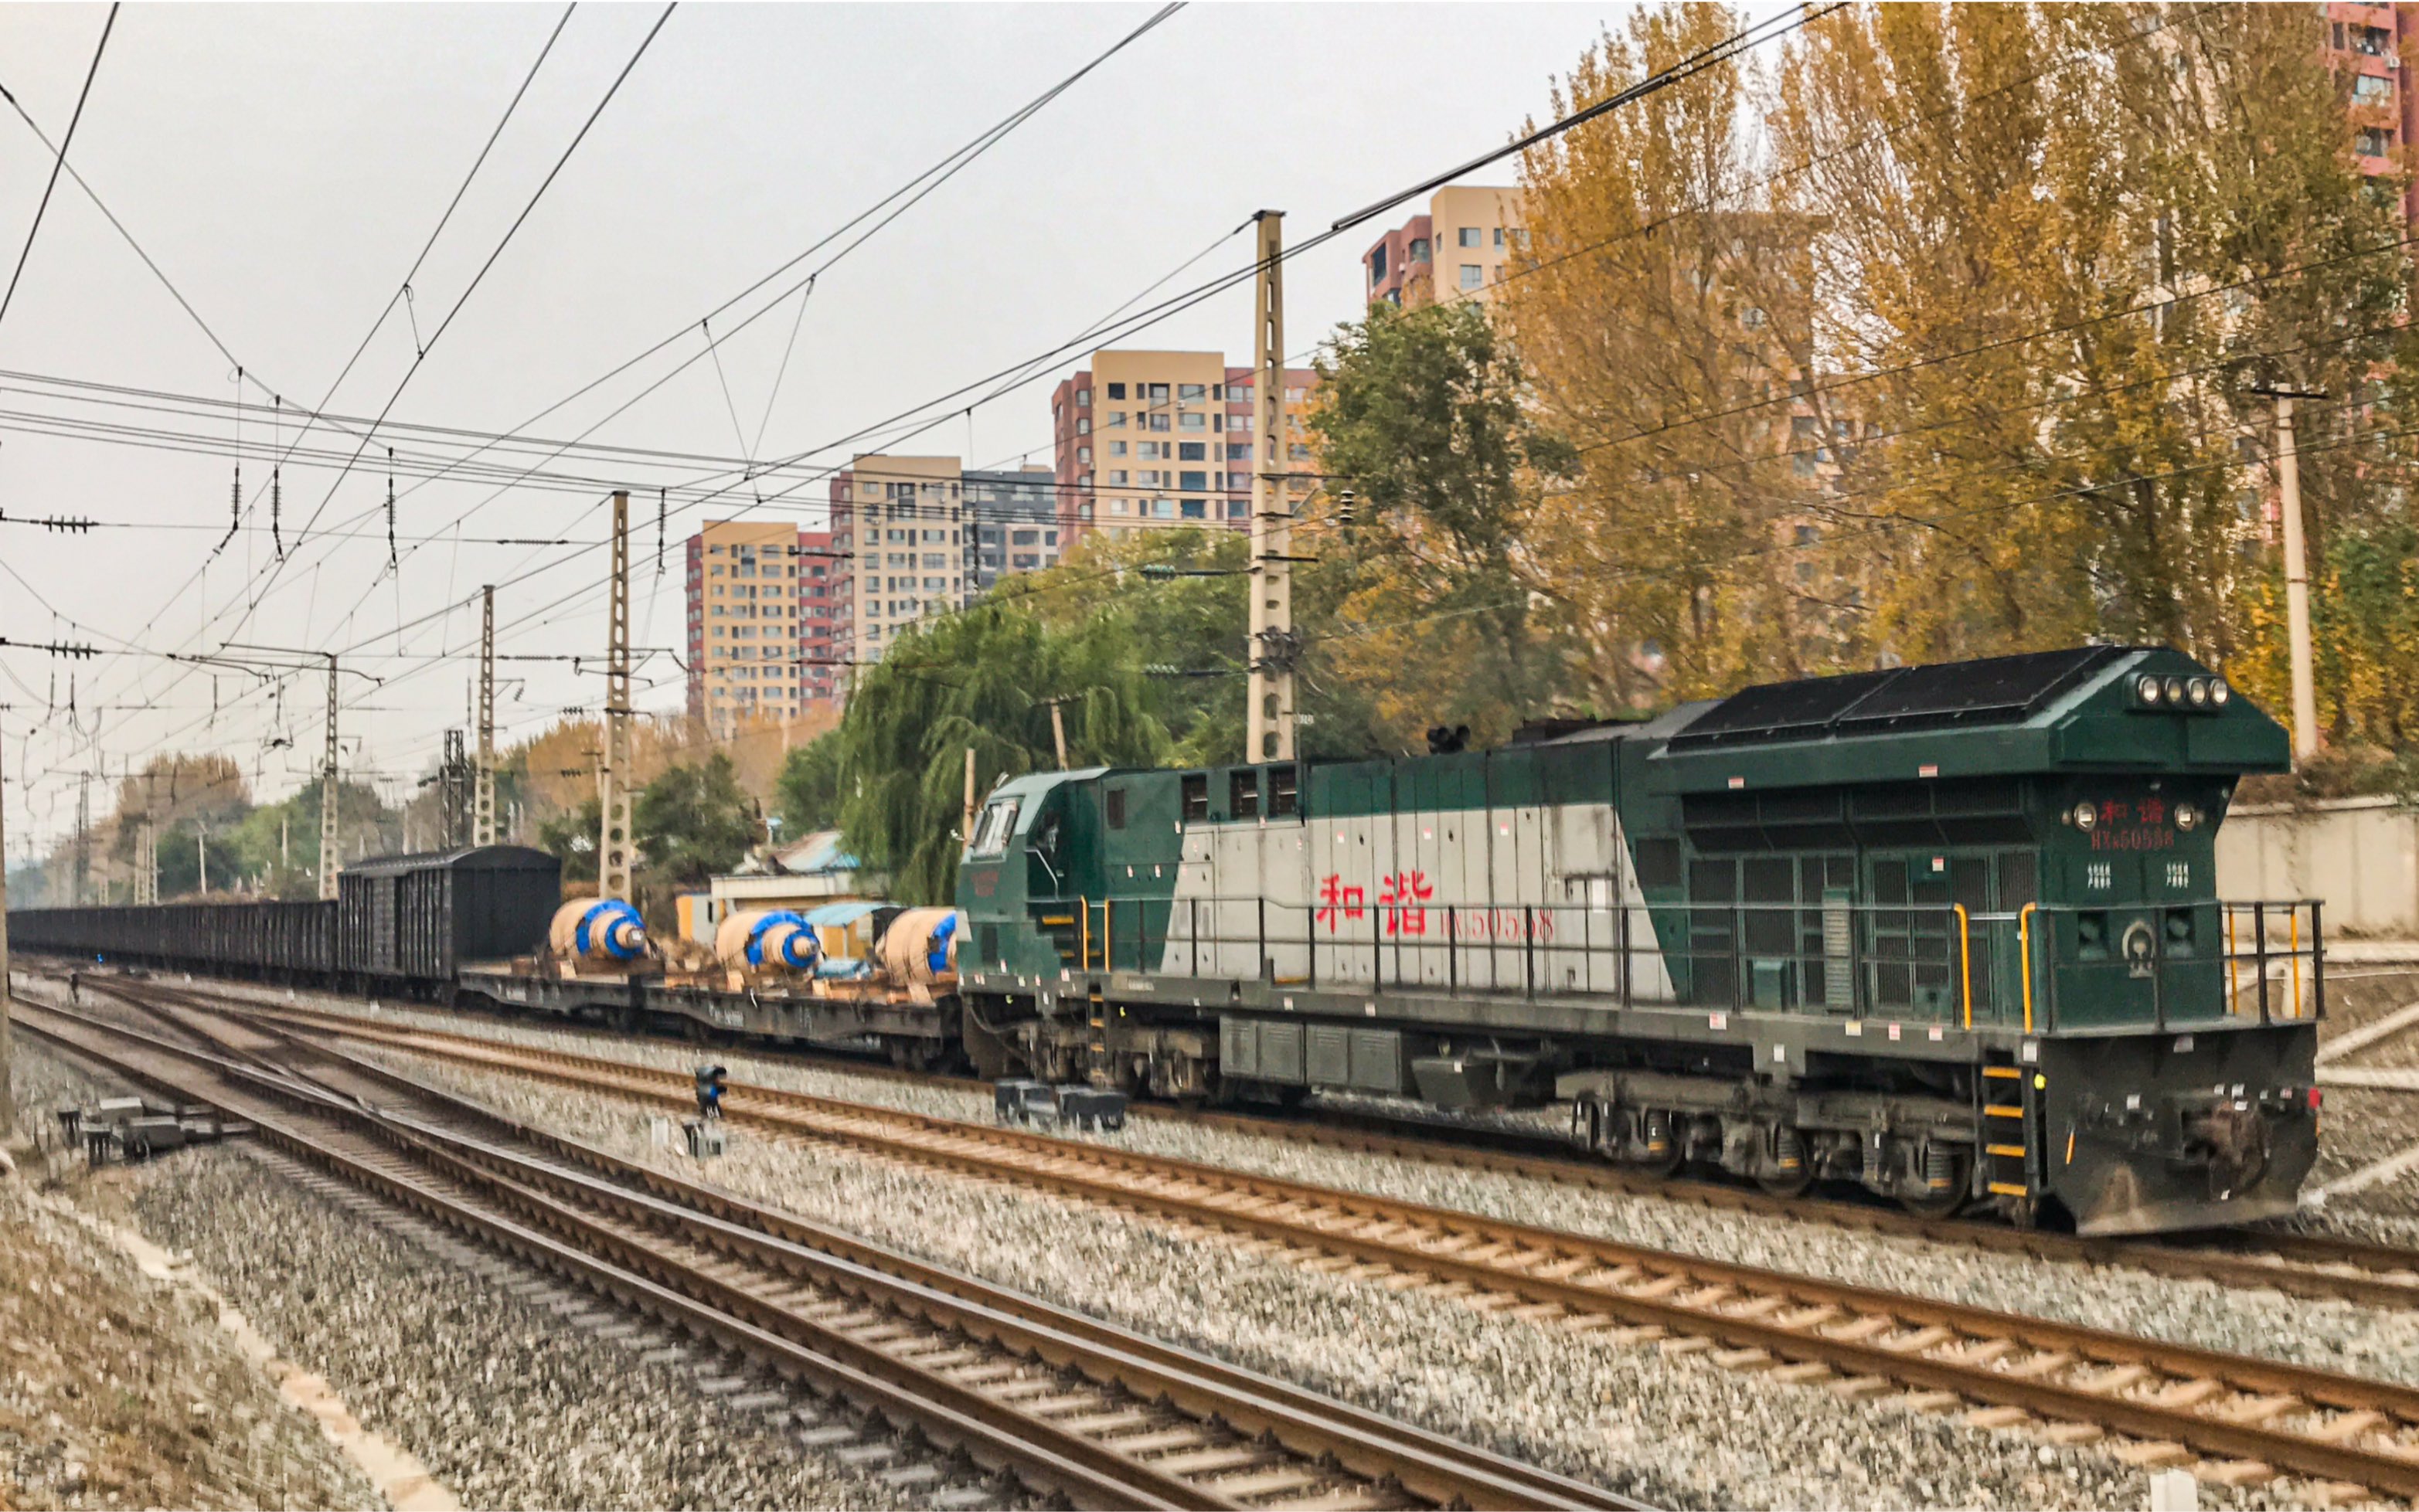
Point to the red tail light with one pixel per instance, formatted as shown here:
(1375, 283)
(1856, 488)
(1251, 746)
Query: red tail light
(2316, 1096)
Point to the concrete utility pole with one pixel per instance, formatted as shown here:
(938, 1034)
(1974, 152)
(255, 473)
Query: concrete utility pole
(1058, 732)
(1271, 712)
(84, 840)
(8, 1097)
(966, 831)
(614, 773)
(328, 856)
(2297, 572)
(482, 802)
(202, 857)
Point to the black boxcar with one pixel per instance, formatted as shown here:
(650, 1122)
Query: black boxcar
(270, 939)
(418, 918)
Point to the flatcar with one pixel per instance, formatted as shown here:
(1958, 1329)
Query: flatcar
(1950, 932)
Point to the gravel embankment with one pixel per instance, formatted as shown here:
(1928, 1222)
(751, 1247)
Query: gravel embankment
(2329, 1334)
(2358, 1128)
(117, 1389)
(507, 1404)
(1677, 1430)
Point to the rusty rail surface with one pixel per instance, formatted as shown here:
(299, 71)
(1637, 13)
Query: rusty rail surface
(1118, 1420)
(2256, 1413)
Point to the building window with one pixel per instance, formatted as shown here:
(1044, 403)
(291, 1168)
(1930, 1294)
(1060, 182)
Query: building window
(1117, 390)
(1469, 275)
(1159, 392)
(1117, 476)
(1193, 480)
(1191, 451)
(1084, 396)
(1118, 449)
(1499, 243)
(1419, 249)
(1082, 427)
(1158, 423)
(1469, 236)
(2375, 41)
(1189, 391)
(1196, 509)
(1083, 454)
(2372, 89)
(1298, 451)
(1378, 264)
(1236, 481)
(2376, 142)
(1116, 420)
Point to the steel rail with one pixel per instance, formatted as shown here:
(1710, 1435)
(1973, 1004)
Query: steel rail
(2374, 1275)
(1635, 1286)
(1430, 1467)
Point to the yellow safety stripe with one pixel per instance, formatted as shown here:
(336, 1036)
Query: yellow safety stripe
(2002, 1110)
(2002, 1070)
(2003, 1189)
(2014, 1151)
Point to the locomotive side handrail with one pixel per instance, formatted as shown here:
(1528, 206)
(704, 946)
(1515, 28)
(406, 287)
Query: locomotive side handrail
(2266, 915)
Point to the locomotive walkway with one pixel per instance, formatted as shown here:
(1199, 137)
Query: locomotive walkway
(2248, 1419)
(1066, 1405)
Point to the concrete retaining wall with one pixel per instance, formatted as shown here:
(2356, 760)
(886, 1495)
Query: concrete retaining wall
(2360, 856)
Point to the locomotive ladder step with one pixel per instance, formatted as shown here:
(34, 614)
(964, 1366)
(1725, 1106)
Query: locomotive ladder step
(2007, 1131)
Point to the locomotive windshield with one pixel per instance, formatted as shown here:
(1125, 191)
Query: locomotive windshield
(993, 830)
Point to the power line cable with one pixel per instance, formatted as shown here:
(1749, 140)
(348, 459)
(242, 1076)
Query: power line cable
(59, 162)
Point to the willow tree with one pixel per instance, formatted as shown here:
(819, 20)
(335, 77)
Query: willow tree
(982, 680)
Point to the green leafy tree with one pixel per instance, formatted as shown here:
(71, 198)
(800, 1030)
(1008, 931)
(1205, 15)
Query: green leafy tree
(1427, 604)
(808, 789)
(694, 821)
(570, 837)
(982, 680)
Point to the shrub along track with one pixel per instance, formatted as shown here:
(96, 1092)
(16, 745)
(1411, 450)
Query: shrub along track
(1068, 1406)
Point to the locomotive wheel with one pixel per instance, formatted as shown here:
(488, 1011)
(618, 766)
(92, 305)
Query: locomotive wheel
(1792, 1182)
(1946, 1202)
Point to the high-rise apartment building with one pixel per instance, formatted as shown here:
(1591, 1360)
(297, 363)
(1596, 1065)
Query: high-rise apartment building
(1147, 439)
(2371, 44)
(1458, 250)
(1012, 524)
(759, 625)
(899, 524)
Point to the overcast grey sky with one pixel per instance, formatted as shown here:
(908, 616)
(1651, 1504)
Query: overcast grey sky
(284, 163)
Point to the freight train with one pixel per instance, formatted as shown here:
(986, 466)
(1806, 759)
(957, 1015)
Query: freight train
(1949, 933)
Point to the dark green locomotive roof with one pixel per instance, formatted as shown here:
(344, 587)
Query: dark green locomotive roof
(2047, 711)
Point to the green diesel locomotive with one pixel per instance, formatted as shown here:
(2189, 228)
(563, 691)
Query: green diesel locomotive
(1950, 932)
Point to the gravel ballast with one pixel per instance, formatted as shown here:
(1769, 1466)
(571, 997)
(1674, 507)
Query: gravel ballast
(1676, 1431)
(508, 1404)
(2330, 1334)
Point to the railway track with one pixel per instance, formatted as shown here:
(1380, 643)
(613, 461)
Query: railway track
(1069, 1407)
(2315, 1266)
(2248, 1419)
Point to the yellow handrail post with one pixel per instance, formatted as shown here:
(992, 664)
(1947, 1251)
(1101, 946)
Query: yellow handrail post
(2295, 937)
(2024, 957)
(2233, 967)
(1965, 958)
(1084, 935)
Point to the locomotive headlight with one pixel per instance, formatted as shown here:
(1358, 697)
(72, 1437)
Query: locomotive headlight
(2219, 693)
(2175, 689)
(2187, 817)
(2198, 693)
(2086, 816)
(2148, 691)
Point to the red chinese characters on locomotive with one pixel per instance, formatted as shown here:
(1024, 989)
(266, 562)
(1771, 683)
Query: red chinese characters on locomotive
(1402, 910)
(2126, 824)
